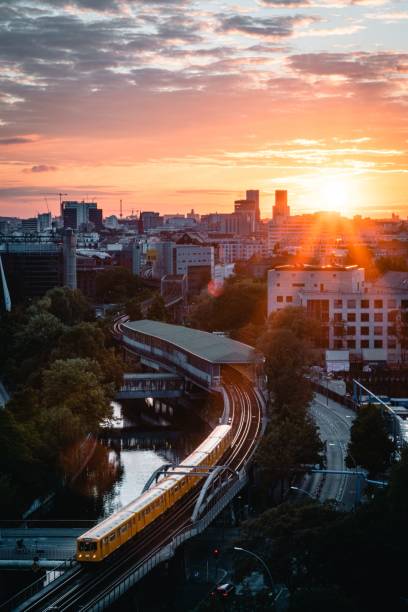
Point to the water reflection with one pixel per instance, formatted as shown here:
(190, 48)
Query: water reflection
(138, 440)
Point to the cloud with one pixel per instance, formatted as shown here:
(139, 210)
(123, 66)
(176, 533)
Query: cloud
(39, 169)
(354, 65)
(12, 140)
(265, 27)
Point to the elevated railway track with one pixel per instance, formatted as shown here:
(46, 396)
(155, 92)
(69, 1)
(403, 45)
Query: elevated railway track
(95, 587)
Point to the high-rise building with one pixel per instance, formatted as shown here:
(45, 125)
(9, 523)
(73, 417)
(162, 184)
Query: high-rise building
(281, 209)
(44, 221)
(252, 195)
(78, 214)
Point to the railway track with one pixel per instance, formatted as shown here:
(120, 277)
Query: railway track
(88, 584)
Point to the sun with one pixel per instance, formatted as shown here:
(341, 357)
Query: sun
(334, 194)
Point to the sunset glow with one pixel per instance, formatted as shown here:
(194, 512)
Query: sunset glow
(183, 104)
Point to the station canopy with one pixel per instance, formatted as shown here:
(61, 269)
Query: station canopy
(210, 347)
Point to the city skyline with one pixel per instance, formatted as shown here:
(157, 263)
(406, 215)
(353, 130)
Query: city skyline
(178, 105)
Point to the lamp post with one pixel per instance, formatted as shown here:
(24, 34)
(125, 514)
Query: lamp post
(304, 491)
(260, 561)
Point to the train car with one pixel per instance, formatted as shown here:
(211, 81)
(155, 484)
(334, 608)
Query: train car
(109, 535)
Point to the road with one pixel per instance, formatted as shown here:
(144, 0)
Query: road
(334, 422)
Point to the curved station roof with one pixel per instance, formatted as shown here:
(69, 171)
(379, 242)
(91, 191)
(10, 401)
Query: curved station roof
(210, 347)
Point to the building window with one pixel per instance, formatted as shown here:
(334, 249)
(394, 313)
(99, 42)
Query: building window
(351, 317)
(351, 344)
(378, 343)
(378, 317)
(298, 284)
(365, 344)
(351, 303)
(365, 331)
(392, 344)
(338, 331)
(378, 331)
(338, 344)
(404, 304)
(351, 331)
(392, 303)
(337, 317)
(338, 303)
(365, 317)
(289, 299)
(392, 331)
(378, 303)
(365, 303)
(279, 298)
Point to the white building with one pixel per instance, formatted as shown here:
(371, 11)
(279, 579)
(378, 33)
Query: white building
(355, 315)
(230, 251)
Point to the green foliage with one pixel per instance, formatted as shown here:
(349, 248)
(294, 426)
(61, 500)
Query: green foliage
(287, 359)
(62, 375)
(87, 340)
(133, 309)
(69, 306)
(296, 319)
(116, 285)
(157, 310)
(370, 445)
(242, 301)
(290, 444)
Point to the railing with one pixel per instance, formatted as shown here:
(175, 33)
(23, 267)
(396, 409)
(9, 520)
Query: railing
(104, 600)
(37, 586)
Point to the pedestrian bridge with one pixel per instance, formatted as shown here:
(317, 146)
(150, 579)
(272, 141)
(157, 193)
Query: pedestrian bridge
(151, 384)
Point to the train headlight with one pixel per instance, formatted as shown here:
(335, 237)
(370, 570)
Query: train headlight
(93, 556)
(79, 556)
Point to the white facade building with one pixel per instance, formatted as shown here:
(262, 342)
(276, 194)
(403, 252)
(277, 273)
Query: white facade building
(355, 315)
(240, 250)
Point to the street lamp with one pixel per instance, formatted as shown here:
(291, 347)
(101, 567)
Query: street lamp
(304, 491)
(260, 561)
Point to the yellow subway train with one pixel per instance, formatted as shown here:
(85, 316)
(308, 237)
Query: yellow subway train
(106, 537)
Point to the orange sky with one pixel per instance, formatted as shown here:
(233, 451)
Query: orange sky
(186, 104)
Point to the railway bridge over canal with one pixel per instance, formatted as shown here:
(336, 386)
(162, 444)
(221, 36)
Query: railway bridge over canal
(213, 363)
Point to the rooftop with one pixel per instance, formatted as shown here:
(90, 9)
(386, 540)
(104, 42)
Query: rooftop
(311, 268)
(210, 347)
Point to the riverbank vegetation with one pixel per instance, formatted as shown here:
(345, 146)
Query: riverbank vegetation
(62, 372)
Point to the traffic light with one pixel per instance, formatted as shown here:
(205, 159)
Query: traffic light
(216, 553)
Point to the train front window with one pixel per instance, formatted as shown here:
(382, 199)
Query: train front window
(87, 546)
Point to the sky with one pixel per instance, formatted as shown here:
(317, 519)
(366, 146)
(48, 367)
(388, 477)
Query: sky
(176, 104)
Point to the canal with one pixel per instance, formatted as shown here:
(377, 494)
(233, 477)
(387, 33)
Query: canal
(142, 436)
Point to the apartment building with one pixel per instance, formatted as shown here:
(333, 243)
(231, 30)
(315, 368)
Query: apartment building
(355, 315)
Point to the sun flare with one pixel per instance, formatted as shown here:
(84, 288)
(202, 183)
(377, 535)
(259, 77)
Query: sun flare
(334, 194)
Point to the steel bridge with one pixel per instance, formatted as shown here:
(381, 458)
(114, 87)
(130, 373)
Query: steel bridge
(151, 384)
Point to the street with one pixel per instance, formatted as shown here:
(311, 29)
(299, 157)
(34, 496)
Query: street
(334, 422)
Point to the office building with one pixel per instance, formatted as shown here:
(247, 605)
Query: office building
(78, 215)
(354, 314)
(30, 226)
(281, 209)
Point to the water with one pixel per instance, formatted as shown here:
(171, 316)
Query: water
(141, 438)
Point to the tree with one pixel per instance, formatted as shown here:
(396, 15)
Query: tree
(87, 341)
(296, 319)
(241, 301)
(370, 445)
(68, 305)
(116, 285)
(133, 309)
(73, 388)
(157, 309)
(287, 360)
(291, 443)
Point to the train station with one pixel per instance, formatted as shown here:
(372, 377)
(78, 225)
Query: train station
(197, 355)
